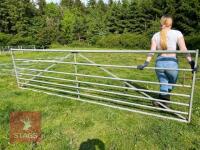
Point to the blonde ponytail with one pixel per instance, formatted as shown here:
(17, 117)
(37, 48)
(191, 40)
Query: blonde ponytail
(166, 21)
(163, 39)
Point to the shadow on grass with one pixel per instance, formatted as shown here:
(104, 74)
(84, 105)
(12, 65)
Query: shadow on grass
(92, 144)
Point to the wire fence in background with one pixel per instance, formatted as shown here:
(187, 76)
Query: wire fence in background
(6, 68)
(6, 48)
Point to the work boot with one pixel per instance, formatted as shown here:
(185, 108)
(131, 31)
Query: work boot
(166, 98)
(156, 103)
(162, 97)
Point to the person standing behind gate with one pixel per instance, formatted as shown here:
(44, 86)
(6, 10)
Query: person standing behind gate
(167, 39)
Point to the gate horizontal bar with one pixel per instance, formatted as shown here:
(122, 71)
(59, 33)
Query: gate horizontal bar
(102, 77)
(152, 99)
(105, 51)
(99, 65)
(108, 99)
(111, 106)
(106, 85)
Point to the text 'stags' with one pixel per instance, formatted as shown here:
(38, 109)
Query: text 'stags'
(25, 127)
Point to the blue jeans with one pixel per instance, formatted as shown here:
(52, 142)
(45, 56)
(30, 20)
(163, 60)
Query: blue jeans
(166, 76)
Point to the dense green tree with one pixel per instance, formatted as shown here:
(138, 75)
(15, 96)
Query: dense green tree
(67, 25)
(53, 11)
(101, 6)
(67, 3)
(114, 22)
(136, 19)
(110, 2)
(15, 16)
(42, 5)
(92, 3)
(187, 17)
(35, 22)
(78, 4)
(80, 27)
(4, 38)
(96, 24)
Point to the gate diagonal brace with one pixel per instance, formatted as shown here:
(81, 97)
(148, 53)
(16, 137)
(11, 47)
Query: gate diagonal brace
(49, 67)
(128, 84)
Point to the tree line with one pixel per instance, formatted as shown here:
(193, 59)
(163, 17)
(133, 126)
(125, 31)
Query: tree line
(126, 23)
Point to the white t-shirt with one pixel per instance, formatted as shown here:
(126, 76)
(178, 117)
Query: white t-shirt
(172, 39)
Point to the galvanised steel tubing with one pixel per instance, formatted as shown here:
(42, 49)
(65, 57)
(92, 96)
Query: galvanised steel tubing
(160, 103)
(152, 99)
(7, 70)
(99, 65)
(102, 77)
(106, 51)
(6, 64)
(76, 71)
(52, 65)
(108, 99)
(107, 71)
(7, 74)
(130, 85)
(107, 105)
(15, 67)
(121, 87)
(193, 86)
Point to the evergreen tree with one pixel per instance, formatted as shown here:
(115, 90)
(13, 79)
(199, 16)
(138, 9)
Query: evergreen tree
(102, 6)
(42, 5)
(110, 2)
(67, 25)
(79, 5)
(16, 16)
(80, 26)
(67, 3)
(137, 20)
(187, 16)
(92, 3)
(24, 21)
(114, 22)
(96, 24)
(124, 16)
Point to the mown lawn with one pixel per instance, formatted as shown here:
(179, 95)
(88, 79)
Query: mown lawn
(69, 124)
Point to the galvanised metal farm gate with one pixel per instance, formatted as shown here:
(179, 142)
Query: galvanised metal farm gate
(50, 75)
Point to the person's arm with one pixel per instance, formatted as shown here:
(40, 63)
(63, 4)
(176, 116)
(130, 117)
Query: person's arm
(149, 56)
(153, 48)
(182, 47)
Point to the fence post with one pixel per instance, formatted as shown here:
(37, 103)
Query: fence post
(76, 71)
(193, 86)
(15, 69)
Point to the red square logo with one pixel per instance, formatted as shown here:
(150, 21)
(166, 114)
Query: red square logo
(25, 127)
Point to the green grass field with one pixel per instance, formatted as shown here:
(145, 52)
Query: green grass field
(69, 124)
